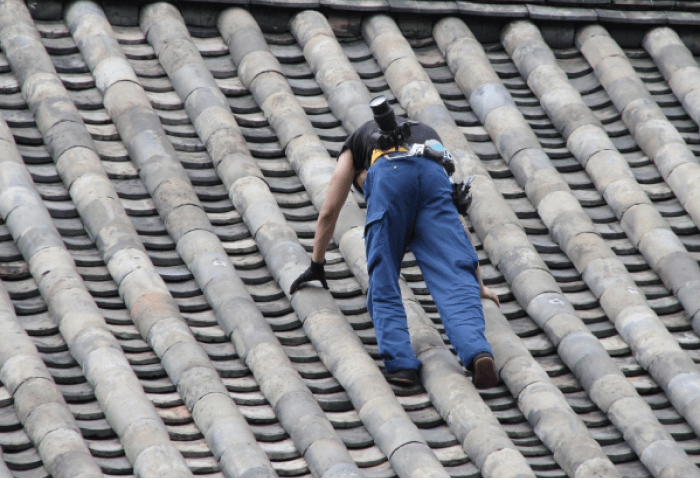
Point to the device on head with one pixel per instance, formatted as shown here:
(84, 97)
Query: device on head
(391, 133)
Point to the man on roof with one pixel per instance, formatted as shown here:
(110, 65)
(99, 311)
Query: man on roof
(411, 204)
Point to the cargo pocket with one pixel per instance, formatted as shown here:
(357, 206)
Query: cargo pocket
(469, 260)
(373, 238)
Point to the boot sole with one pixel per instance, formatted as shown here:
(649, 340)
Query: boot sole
(402, 378)
(402, 382)
(485, 375)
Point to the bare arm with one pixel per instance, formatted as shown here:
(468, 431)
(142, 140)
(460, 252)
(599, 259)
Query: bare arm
(337, 193)
(484, 291)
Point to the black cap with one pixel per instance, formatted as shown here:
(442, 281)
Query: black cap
(383, 113)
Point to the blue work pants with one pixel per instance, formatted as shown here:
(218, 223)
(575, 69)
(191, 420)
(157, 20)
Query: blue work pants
(408, 192)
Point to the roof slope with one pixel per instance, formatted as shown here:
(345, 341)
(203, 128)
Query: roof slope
(160, 179)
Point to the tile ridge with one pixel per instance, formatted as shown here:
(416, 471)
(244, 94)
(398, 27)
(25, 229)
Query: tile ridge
(660, 140)
(38, 400)
(522, 151)
(83, 327)
(348, 98)
(677, 163)
(261, 73)
(153, 309)
(209, 112)
(537, 394)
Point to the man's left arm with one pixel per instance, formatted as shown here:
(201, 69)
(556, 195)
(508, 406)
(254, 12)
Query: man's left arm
(484, 291)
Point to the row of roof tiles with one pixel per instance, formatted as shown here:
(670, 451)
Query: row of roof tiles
(553, 428)
(613, 11)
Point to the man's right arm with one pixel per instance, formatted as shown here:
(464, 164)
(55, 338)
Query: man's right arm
(337, 193)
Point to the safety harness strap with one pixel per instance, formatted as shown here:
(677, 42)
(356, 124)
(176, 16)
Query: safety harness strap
(377, 153)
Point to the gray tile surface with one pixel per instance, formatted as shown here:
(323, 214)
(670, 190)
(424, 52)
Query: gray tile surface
(166, 167)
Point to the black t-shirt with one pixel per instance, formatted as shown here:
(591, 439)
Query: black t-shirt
(362, 147)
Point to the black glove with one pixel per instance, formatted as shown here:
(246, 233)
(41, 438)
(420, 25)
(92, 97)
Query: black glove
(462, 195)
(314, 272)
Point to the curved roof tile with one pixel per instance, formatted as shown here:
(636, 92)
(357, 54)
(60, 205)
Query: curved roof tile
(170, 164)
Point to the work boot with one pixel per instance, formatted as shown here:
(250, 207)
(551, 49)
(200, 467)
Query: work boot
(402, 378)
(484, 371)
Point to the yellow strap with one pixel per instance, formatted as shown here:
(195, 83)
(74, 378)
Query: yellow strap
(377, 154)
